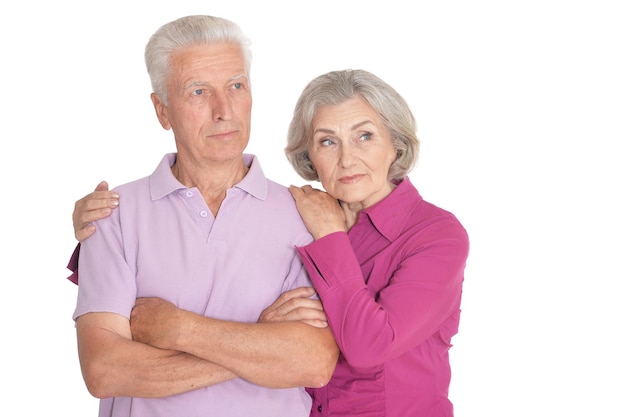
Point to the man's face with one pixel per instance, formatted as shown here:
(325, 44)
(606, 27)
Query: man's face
(209, 102)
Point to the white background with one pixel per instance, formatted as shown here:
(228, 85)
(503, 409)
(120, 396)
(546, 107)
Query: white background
(521, 109)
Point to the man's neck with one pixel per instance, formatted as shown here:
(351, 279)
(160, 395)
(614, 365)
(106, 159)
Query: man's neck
(212, 178)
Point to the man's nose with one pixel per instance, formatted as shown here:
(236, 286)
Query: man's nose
(221, 107)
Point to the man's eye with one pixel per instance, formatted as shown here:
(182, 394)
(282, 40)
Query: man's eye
(237, 86)
(198, 92)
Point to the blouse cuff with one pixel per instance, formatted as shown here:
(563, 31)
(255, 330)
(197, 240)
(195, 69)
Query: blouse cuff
(331, 262)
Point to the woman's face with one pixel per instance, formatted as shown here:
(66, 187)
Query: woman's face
(352, 151)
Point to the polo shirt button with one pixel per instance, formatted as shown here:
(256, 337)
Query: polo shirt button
(319, 408)
(203, 213)
(189, 193)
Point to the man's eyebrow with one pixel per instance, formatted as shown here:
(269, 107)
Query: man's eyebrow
(204, 83)
(238, 77)
(196, 83)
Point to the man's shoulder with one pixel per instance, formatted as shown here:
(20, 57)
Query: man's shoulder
(279, 187)
(133, 190)
(132, 185)
(279, 192)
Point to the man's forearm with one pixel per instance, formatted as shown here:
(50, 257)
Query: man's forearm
(114, 365)
(173, 374)
(275, 355)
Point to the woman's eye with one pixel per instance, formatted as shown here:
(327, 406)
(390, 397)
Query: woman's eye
(326, 142)
(366, 136)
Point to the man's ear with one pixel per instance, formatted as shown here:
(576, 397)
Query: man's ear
(161, 111)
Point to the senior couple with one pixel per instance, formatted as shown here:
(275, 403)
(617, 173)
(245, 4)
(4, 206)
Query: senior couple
(210, 290)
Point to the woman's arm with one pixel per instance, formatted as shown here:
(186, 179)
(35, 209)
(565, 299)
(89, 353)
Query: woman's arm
(421, 292)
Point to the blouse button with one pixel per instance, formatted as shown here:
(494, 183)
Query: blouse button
(319, 408)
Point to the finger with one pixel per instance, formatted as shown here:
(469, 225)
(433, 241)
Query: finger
(295, 191)
(82, 218)
(287, 302)
(99, 199)
(82, 222)
(133, 312)
(150, 300)
(320, 324)
(84, 233)
(300, 292)
(302, 314)
(92, 207)
(301, 308)
(102, 186)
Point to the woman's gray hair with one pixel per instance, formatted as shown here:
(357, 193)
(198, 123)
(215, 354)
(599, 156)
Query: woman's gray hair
(337, 87)
(188, 31)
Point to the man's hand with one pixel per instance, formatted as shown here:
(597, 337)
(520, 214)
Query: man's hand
(155, 322)
(296, 305)
(92, 207)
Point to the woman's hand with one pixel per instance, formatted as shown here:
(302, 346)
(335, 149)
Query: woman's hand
(92, 207)
(296, 305)
(322, 214)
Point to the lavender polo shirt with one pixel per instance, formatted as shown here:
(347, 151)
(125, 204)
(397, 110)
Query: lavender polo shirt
(164, 242)
(391, 288)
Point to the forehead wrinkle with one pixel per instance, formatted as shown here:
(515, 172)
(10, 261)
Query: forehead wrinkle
(359, 124)
(353, 127)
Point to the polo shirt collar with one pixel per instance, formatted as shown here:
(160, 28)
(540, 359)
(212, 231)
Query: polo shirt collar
(163, 182)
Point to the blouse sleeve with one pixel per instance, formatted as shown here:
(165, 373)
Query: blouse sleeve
(422, 291)
(73, 265)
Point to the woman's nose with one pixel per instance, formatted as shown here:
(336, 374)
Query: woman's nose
(347, 158)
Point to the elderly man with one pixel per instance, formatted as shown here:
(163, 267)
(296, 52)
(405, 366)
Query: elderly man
(172, 315)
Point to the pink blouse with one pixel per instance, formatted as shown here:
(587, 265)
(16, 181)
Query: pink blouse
(391, 288)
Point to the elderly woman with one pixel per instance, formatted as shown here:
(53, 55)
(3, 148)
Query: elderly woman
(387, 265)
